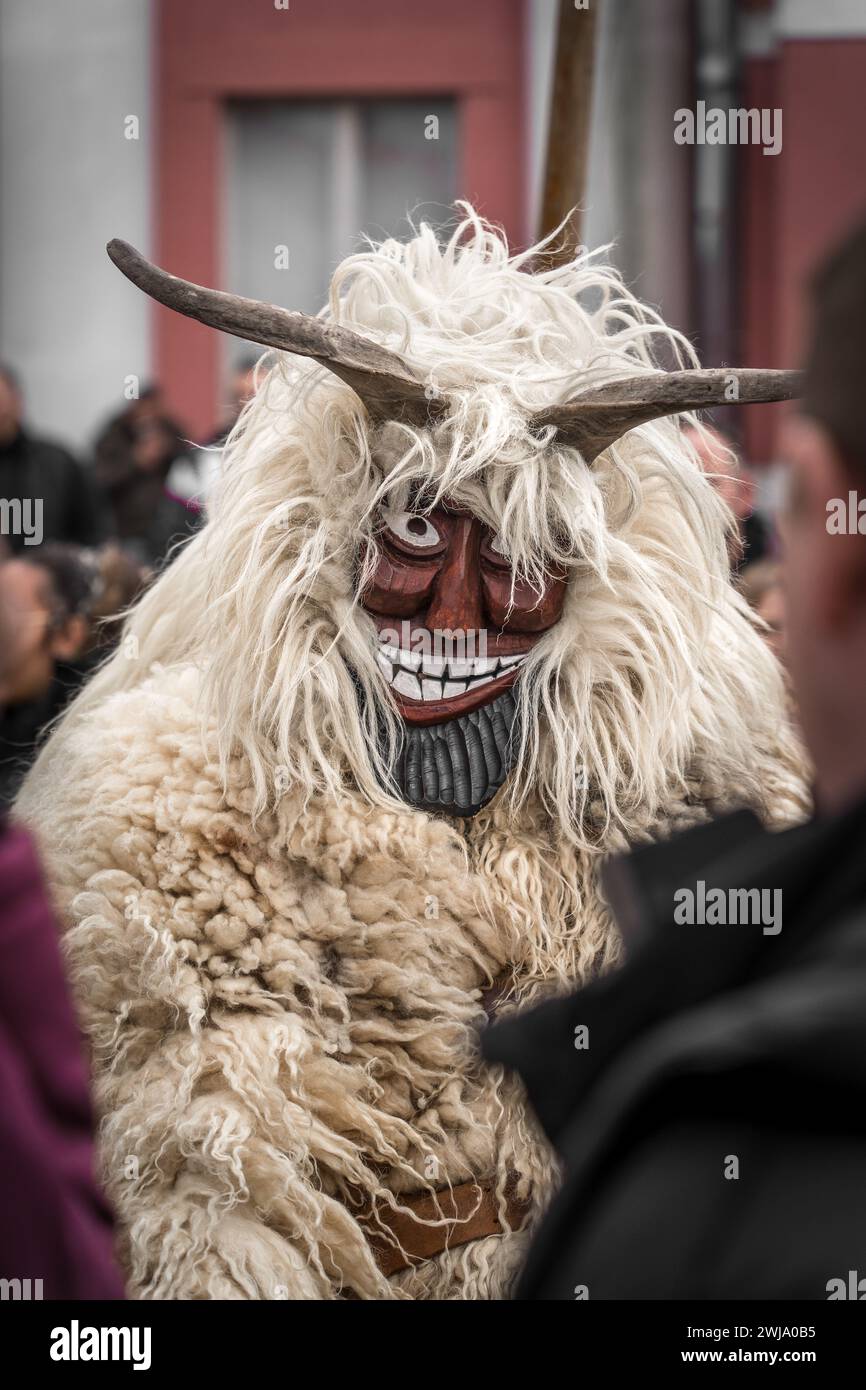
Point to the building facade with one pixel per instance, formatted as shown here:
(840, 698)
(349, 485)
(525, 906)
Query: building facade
(250, 143)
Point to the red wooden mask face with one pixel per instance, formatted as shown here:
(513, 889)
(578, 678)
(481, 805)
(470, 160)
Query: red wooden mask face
(453, 630)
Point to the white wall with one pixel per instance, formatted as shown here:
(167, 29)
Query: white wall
(638, 197)
(314, 176)
(829, 19)
(70, 72)
(541, 19)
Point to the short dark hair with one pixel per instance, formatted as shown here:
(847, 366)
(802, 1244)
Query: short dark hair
(74, 576)
(836, 364)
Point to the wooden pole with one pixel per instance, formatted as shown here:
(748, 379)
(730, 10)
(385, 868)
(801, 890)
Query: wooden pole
(566, 170)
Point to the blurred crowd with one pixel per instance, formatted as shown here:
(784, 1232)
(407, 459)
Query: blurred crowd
(79, 542)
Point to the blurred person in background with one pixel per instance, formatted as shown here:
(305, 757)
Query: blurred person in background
(707, 1099)
(34, 469)
(48, 596)
(761, 587)
(734, 483)
(134, 455)
(193, 478)
(55, 1226)
(242, 388)
(120, 582)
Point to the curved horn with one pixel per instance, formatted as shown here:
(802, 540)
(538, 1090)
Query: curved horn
(596, 419)
(384, 382)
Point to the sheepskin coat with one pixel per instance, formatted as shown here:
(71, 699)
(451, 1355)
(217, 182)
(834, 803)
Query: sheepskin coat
(278, 965)
(283, 1018)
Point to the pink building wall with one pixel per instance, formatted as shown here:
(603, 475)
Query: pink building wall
(796, 204)
(208, 51)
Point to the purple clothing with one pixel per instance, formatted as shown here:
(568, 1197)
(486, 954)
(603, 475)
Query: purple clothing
(54, 1222)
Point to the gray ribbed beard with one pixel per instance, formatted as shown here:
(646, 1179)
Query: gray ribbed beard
(456, 767)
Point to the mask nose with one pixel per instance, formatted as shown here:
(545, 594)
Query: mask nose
(456, 599)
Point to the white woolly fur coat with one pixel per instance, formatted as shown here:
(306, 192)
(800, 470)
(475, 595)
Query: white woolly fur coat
(282, 992)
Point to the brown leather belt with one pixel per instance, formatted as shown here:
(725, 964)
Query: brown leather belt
(470, 1211)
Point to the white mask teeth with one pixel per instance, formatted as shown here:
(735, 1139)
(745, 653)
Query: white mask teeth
(460, 668)
(484, 665)
(401, 657)
(433, 666)
(436, 678)
(408, 684)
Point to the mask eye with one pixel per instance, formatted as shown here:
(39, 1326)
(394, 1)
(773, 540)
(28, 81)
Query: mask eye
(412, 532)
(494, 551)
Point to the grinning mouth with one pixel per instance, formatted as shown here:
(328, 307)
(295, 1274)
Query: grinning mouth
(425, 678)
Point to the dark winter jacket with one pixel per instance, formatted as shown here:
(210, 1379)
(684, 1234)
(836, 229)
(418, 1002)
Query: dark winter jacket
(23, 728)
(72, 509)
(146, 517)
(711, 1118)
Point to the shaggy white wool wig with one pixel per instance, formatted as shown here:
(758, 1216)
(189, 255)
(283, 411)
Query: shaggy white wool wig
(655, 675)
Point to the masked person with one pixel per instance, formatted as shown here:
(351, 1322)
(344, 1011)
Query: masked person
(459, 623)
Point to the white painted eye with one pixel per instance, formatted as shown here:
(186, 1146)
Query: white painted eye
(413, 529)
